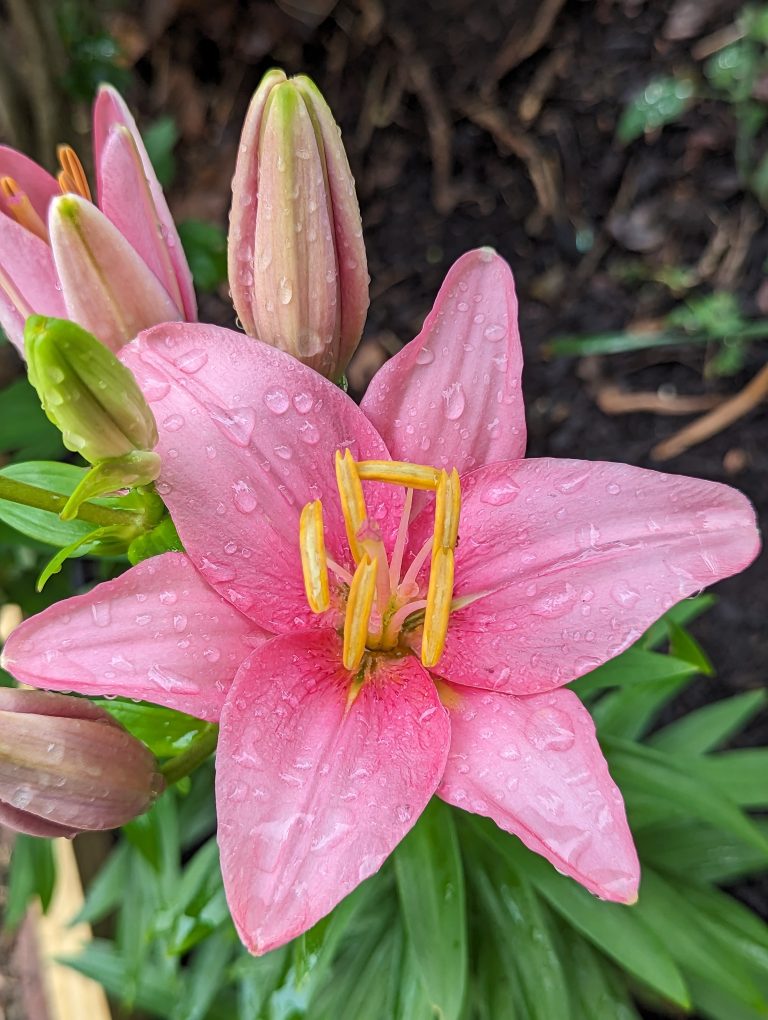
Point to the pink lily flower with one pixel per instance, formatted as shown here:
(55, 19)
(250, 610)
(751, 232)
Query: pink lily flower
(114, 269)
(372, 631)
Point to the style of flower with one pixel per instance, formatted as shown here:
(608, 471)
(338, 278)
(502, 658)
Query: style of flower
(384, 602)
(115, 269)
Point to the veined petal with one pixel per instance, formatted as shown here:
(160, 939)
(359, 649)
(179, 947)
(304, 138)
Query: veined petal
(108, 288)
(313, 789)
(128, 202)
(110, 111)
(451, 397)
(158, 632)
(577, 560)
(534, 766)
(28, 280)
(37, 184)
(248, 437)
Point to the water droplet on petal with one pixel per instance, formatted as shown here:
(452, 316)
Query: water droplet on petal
(309, 434)
(236, 423)
(494, 332)
(277, 401)
(550, 729)
(191, 361)
(453, 398)
(173, 423)
(500, 493)
(101, 613)
(425, 356)
(303, 403)
(245, 501)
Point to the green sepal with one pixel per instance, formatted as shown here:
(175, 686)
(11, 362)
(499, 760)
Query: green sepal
(140, 467)
(162, 538)
(110, 541)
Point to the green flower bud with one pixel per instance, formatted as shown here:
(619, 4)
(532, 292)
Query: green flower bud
(86, 392)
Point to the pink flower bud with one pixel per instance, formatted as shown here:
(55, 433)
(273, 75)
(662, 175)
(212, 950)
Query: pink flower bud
(297, 267)
(66, 766)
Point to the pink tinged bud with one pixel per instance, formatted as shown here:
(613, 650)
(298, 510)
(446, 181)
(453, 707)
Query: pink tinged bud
(297, 265)
(131, 196)
(108, 289)
(66, 766)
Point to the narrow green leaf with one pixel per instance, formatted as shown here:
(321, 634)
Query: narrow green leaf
(106, 891)
(669, 914)
(618, 931)
(707, 728)
(165, 732)
(24, 428)
(684, 646)
(681, 614)
(40, 524)
(102, 961)
(628, 713)
(430, 882)
(682, 784)
(700, 852)
(33, 874)
(204, 976)
(740, 775)
(596, 989)
(635, 666)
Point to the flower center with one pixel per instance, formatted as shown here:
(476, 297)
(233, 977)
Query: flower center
(381, 601)
(71, 178)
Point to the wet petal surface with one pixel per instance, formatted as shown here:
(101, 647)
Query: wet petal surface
(311, 800)
(158, 633)
(534, 766)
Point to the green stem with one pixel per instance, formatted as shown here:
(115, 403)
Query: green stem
(54, 502)
(201, 747)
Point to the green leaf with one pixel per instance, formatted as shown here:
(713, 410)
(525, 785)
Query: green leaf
(106, 891)
(700, 852)
(33, 874)
(635, 666)
(707, 728)
(629, 713)
(162, 538)
(24, 429)
(740, 775)
(205, 974)
(165, 731)
(684, 646)
(41, 524)
(663, 100)
(596, 989)
(160, 139)
(681, 614)
(616, 930)
(669, 915)
(205, 245)
(103, 962)
(523, 932)
(680, 785)
(430, 883)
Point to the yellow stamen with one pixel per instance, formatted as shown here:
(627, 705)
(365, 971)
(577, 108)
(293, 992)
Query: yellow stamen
(439, 596)
(314, 562)
(352, 500)
(398, 472)
(447, 510)
(22, 209)
(72, 175)
(358, 615)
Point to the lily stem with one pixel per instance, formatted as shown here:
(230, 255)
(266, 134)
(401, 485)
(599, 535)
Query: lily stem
(183, 764)
(54, 502)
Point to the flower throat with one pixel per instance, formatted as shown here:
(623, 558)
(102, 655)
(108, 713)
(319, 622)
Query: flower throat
(381, 601)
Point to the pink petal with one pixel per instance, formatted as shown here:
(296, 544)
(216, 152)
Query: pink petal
(248, 437)
(128, 202)
(311, 798)
(110, 112)
(451, 397)
(157, 632)
(28, 280)
(38, 185)
(108, 288)
(534, 766)
(31, 825)
(580, 558)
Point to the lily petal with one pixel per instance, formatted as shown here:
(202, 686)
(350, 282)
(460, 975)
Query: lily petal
(128, 202)
(108, 288)
(109, 112)
(578, 559)
(157, 632)
(535, 767)
(31, 825)
(259, 430)
(37, 184)
(451, 397)
(28, 281)
(313, 792)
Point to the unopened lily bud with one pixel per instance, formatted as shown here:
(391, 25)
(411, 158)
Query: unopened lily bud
(107, 286)
(66, 766)
(86, 392)
(297, 267)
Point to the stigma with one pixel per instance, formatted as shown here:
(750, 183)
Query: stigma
(382, 602)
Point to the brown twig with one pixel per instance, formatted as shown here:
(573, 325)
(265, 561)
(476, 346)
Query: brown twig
(518, 46)
(710, 424)
(613, 400)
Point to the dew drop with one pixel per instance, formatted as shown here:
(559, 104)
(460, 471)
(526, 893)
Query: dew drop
(453, 398)
(245, 501)
(550, 729)
(101, 613)
(173, 423)
(303, 403)
(191, 361)
(425, 356)
(309, 434)
(153, 387)
(500, 493)
(494, 332)
(284, 452)
(237, 424)
(277, 401)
